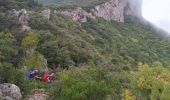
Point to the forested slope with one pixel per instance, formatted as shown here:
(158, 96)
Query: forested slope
(99, 59)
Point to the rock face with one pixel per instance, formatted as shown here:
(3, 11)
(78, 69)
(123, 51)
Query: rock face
(46, 13)
(23, 18)
(9, 92)
(78, 14)
(111, 10)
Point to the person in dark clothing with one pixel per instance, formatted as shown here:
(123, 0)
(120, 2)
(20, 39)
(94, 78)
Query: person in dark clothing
(33, 74)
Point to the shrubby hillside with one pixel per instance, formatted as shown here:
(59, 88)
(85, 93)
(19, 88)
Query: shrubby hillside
(100, 59)
(82, 3)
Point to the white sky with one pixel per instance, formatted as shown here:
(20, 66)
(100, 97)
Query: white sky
(157, 12)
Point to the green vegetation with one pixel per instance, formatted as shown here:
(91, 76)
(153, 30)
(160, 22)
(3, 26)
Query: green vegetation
(82, 3)
(17, 4)
(87, 84)
(100, 59)
(151, 82)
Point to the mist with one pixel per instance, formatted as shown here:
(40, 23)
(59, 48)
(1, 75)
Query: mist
(158, 13)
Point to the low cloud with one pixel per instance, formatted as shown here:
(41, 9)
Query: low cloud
(157, 12)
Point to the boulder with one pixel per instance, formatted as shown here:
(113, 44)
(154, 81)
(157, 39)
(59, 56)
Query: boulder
(10, 92)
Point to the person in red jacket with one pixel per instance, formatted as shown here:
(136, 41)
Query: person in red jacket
(46, 77)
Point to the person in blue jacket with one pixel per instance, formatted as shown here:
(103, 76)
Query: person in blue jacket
(33, 74)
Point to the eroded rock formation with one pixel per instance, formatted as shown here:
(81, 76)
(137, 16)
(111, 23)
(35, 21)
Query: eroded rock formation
(23, 17)
(112, 10)
(78, 14)
(46, 13)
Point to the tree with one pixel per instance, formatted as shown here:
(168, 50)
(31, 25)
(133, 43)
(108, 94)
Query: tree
(32, 58)
(36, 60)
(8, 47)
(30, 41)
(9, 22)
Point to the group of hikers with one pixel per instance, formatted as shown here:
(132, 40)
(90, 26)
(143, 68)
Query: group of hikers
(47, 77)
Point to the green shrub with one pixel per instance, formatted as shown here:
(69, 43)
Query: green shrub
(87, 84)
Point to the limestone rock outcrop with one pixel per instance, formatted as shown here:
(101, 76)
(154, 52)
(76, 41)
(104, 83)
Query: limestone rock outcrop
(46, 13)
(111, 10)
(23, 17)
(9, 92)
(78, 14)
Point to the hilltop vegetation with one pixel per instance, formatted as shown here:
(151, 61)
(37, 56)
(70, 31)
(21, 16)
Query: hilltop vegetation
(100, 59)
(82, 3)
(17, 4)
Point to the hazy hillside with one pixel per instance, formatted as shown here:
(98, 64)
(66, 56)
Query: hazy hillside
(94, 60)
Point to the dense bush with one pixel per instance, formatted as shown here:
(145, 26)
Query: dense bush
(8, 47)
(151, 83)
(8, 74)
(8, 22)
(87, 83)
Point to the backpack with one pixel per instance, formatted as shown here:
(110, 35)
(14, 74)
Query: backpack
(31, 74)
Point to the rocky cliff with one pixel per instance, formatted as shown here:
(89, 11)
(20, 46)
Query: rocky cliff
(78, 14)
(112, 10)
(23, 17)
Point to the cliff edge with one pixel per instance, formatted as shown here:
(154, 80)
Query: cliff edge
(112, 10)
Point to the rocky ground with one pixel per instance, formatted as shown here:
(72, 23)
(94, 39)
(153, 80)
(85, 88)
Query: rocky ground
(39, 94)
